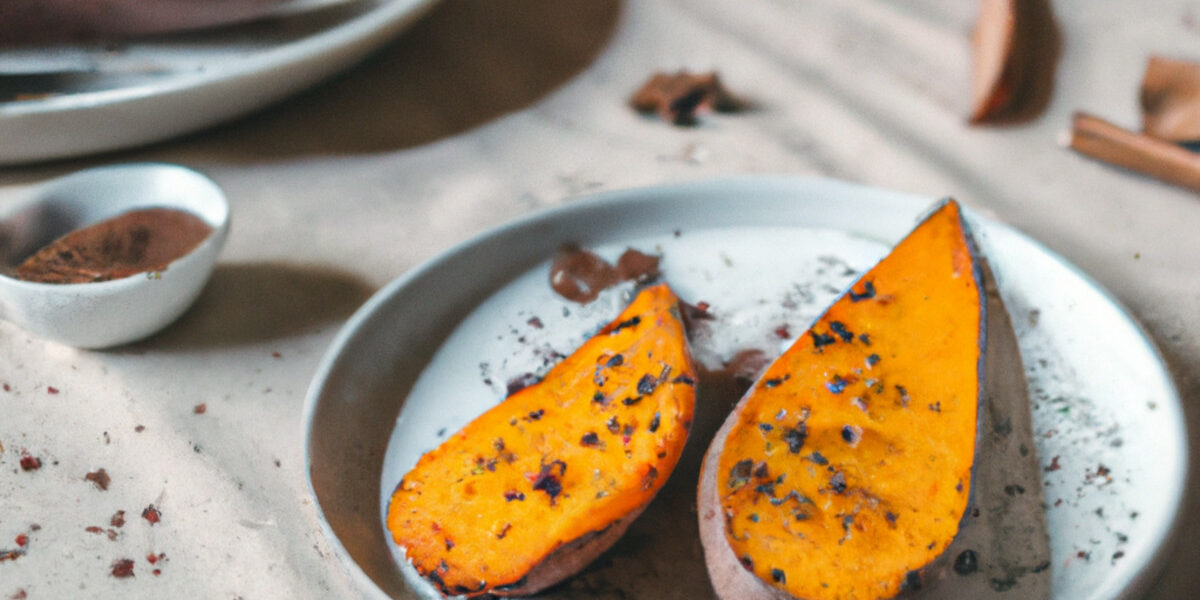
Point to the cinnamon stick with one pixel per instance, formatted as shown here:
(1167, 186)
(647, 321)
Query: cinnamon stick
(1162, 160)
(1170, 99)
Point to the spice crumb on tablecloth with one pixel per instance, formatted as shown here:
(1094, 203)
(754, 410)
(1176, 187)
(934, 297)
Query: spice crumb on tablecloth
(30, 462)
(152, 514)
(100, 478)
(122, 568)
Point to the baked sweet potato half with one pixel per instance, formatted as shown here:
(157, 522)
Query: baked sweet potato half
(846, 468)
(534, 489)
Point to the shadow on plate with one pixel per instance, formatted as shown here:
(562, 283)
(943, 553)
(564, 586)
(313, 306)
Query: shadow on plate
(464, 64)
(246, 303)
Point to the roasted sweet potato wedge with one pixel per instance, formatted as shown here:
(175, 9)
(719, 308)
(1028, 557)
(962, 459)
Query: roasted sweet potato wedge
(535, 488)
(846, 468)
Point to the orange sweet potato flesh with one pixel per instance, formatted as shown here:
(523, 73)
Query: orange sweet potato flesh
(538, 486)
(846, 468)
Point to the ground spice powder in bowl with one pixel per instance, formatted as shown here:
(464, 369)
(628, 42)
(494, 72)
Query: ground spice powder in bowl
(135, 242)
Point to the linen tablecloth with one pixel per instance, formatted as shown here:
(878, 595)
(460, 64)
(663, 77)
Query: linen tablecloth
(489, 109)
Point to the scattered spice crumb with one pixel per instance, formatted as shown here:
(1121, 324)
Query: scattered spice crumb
(7, 388)
(276, 354)
(521, 382)
(51, 389)
(277, 463)
(122, 568)
(35, 527)
(677, 97)
(93, 529)
(100, 478)
(157, 572)
(535, 322)
(30, 463)
(139, 428)
(200, 408)
(118, 519)
(112, 535)
(152, 514)
(20, 595)
(1054, 466)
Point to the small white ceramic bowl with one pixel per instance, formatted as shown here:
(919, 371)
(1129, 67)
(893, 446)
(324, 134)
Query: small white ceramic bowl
(108, 313)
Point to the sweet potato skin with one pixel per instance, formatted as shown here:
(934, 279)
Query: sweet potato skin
(730, 578)
(860, 516)
(535, 488)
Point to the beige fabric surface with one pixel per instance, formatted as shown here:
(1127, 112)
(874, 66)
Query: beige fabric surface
(484, 111)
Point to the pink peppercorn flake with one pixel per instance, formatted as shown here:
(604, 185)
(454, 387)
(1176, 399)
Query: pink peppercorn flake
(152, 514)
(22, 540)
(20, 595)
(118, 519)
(7, 388)
(157, 572)
(30, 463)
(122, 568)
(51, 389)
(93, 529)
(200, 408)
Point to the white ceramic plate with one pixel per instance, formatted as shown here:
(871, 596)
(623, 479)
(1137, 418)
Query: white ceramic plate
(75, 100)
(435, 348)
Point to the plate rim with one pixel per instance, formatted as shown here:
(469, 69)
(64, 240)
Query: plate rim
(341, 45)
(1151, 563)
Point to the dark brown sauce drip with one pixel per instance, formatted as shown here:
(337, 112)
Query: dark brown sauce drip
(732, 381)
(134, 242)
(636, 266)
(580, 275)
